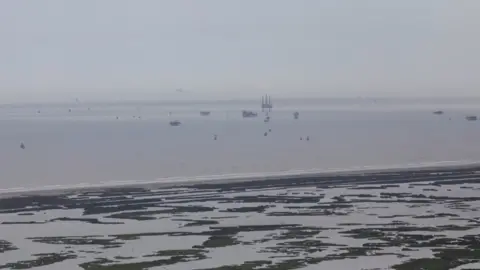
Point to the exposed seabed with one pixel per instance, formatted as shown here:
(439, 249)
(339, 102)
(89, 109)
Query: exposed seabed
(403, 218)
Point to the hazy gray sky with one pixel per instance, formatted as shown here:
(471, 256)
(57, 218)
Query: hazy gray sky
(148, 48)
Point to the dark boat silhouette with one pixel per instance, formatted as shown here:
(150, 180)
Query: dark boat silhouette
(438, 112)
(249, 114)
(175, 123)
(296, 115)
(471, 118)
(204, 113)
(22, 145)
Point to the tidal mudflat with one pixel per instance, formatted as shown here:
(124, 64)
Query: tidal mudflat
(403, 220)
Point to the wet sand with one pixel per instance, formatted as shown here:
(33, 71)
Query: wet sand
(397, 219)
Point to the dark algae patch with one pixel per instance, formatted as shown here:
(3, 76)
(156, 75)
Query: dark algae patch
(149, 215)
(176, 256)
(6, 246)
(250, 265)
(42, 260)
(219, 241)
(257, 209)
(195, 223)
(78, 241)
(195, 253)
(445, 259)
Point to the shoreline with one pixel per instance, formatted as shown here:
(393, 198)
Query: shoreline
(315, 175)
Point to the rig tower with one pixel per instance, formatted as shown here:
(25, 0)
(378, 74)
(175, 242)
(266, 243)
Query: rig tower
(267, 103)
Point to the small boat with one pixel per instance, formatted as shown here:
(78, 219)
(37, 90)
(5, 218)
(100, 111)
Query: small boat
(296, 115)
(471, 118)
(267, 119)
(248, 114)
(215, 137)
(175, 123)
(204, 113)
(22, 145)
(438, 112)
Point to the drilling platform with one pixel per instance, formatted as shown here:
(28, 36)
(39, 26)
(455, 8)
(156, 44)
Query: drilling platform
(267, 103)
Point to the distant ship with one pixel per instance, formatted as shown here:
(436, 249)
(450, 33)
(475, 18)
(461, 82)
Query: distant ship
(175, 123)
(296, 115)
(248, 114)
(471, 118)
(438, 112)
(267, 119)
(204, 113)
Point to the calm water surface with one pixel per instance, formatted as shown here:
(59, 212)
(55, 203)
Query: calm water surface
(89, 145)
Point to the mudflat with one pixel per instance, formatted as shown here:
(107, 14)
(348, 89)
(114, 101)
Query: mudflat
(407, 219)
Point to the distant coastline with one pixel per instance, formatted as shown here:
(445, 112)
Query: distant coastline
(232, 99)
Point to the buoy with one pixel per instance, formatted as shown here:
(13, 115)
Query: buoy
(215, 137)
(308, 138)
(265, 134)
(22, 145)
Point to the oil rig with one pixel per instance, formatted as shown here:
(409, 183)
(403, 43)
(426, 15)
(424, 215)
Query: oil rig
(267, 103)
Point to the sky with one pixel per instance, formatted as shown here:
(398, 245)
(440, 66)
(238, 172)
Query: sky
(135, 49)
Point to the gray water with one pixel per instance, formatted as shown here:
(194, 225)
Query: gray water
(92, 146)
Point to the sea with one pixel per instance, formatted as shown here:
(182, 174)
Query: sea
(88, 143)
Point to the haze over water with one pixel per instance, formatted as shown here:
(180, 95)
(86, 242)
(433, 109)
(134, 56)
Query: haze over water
(92, 146)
